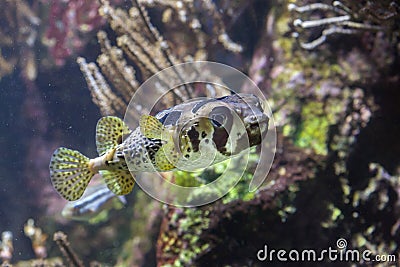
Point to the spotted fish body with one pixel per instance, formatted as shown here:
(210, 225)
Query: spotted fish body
(188, 136)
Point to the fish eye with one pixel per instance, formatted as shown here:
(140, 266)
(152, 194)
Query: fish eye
(218, 120)
(219, 116)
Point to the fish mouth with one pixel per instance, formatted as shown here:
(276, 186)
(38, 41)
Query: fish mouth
(257, 128)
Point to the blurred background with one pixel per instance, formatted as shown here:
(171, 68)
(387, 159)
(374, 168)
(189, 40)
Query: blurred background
(329, 69)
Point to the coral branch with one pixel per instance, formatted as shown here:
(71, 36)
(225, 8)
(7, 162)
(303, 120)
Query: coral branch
(344, 21)
(140, 42)
(61, 239)
(6, 247)
(37, 237)
(102, 95)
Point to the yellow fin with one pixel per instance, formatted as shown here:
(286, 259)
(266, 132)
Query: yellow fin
(120, 182)
(151, 127)
(69, 173)
(109, 132)
(166, 157)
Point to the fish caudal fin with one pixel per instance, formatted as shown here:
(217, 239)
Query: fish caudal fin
(120, 182)
(109, 133)
(70, 173)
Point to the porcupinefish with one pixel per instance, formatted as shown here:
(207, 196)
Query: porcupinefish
(185, 136)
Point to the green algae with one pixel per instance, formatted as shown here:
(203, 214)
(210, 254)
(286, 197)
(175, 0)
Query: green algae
(200, 178)
(186, 243)
(138, 236)
(187, 179)
(313, 128)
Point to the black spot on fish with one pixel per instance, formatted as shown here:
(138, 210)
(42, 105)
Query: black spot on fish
(193, 135)
(220, 138)
(170, 118)
(152, 147)
(121, 138)
(120, 155)
(221, 117)
(223, 97)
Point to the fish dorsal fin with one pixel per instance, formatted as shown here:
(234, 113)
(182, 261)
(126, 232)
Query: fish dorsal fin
(109, 133)
(151, 127)
(166, 157)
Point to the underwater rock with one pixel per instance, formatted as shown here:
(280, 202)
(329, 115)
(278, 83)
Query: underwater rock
(232, 233)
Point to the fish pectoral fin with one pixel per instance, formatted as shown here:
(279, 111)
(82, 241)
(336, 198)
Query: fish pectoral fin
(109, 133)
(70, 173)
(166, 157)
(151, 127)
(120, 182)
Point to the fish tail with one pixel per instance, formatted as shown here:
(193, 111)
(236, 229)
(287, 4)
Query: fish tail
(70, 173)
